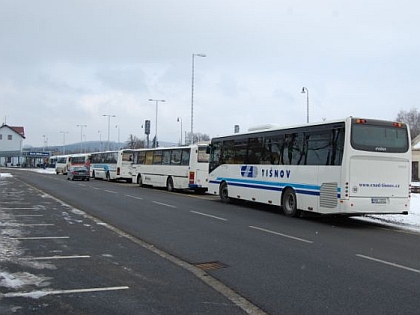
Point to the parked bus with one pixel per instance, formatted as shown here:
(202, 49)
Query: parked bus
(62, 164)
(184, 167)
(111, 165)
(82, 159)
(351, 166)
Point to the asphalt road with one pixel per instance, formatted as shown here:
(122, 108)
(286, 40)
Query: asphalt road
(278, 264)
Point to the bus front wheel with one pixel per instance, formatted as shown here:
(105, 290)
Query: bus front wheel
(170, 184)
(289, 203)
(223, 192)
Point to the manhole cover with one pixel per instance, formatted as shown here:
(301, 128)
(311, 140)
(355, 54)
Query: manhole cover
(211, 265)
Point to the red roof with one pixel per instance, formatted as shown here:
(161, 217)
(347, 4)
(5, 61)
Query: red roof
(18, 130)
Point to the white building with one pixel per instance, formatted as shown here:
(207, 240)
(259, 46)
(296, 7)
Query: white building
(11, 144)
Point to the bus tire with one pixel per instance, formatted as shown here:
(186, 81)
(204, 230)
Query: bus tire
(170, 184)
(289, 203)
(139, 181)
(224, 193)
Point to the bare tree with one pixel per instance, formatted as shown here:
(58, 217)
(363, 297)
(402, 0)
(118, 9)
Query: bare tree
(134, 143)
(412, 119)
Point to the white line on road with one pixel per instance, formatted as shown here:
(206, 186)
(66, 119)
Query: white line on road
(388, 263)
(281, 234)
(164, 204)
(96, 188)
(29, 215)
(40, 293)
(26, 225)
(209, 215)
(134, 197)
(32, 208)
(55, 257)
(39, 238)
(111, 191)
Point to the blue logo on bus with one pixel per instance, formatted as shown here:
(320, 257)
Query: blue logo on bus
(249, 171)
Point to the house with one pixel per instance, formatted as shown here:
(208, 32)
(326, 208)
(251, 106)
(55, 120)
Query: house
(11, 144)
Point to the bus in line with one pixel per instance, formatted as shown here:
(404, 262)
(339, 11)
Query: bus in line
(111, 165)
(351, 166)
(176, 168)
(81, 159)
(62, 164)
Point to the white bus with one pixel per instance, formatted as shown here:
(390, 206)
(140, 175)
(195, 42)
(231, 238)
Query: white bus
(184, 167)
(111, 165)
(351, 167)
(81, 159)
(62, 164)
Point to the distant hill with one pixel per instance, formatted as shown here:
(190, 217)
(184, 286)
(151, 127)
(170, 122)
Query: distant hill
(88, 146)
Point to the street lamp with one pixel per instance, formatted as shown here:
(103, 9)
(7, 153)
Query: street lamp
(64, 141)
(157, 101)
(109, 120)
(118, 126)
(100, 140)
(192, 95)
(180, 120)
(81, 137)
(305, 90)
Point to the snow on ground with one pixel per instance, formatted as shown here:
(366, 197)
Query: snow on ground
(409, 222)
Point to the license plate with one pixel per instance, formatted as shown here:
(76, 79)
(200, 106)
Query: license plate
(380, 201)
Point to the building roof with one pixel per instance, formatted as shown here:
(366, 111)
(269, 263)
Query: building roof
(19, 130)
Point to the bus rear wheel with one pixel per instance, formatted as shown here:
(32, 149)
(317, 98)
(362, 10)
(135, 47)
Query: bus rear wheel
(170, 184)
(224, 193)
(289, 203)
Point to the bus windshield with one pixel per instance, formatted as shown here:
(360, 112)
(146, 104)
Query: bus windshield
(390, 138)
(203, 156)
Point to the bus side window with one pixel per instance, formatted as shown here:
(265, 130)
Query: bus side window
(185, 157)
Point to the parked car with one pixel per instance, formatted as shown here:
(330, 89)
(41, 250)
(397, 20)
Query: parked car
(78, 172)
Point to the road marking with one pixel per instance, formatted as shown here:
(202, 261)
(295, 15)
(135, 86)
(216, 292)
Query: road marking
(111, 191)
(281, 234)
(164, 204)
(41, 293)
(39, 238)
(134, 197)
(55, 257)
(29, 225)
(32, 208)
(209, 215)
(29, 215)
(388, 263)
(96, 188)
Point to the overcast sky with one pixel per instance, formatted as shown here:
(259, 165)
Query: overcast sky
(68, 63)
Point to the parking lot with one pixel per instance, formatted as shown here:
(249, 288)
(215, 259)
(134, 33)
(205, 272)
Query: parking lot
(55, 259)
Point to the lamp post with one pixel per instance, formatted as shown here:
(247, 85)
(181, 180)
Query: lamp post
(118, 127)
(100, 140)
(180, 120)
(109, 120)
(192, 96)
(64, 141)
(81, 137)
(157, 101)
(43, 146)
(305, 90)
